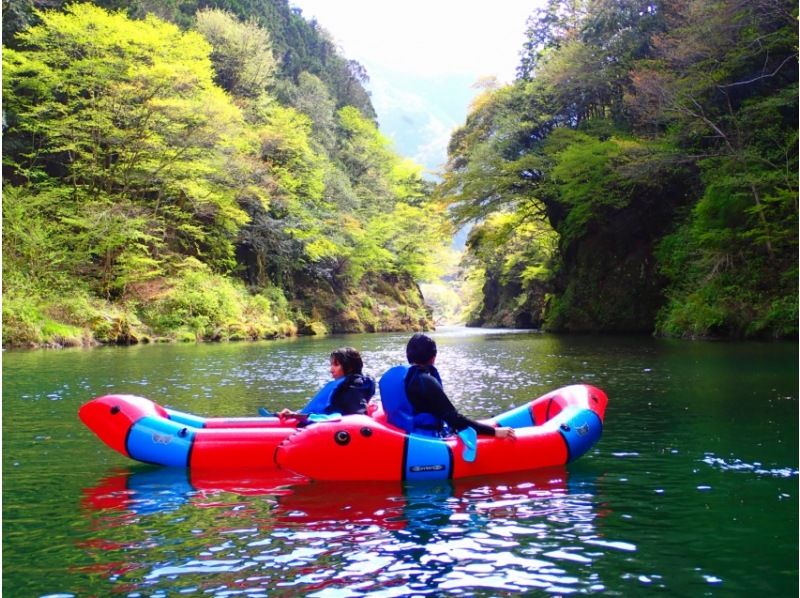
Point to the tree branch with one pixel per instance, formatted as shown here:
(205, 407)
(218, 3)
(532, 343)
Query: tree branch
(765, 76)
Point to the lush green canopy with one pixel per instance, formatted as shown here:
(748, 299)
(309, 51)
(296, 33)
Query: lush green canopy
(659, 140)
(145, 165)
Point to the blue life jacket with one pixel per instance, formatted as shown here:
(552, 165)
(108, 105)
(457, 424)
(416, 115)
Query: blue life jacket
(399, 410)
(319, 403)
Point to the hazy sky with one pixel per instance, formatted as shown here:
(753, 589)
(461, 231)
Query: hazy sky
(422, 57)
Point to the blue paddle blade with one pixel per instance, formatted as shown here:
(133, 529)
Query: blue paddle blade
(321, 417)
(469, 438)
(262, 411)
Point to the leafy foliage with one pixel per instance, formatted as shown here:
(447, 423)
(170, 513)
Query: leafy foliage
(137, 184)
(298, 45)
(242, 52)
(728, 87)
(659, 140)
(510, 258)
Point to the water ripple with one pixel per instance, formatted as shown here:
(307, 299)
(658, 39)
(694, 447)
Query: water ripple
(653, 509)
(756, 467)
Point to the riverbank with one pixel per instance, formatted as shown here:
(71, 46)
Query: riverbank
(209, 308)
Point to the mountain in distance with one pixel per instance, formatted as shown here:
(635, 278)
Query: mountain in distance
(418, 113)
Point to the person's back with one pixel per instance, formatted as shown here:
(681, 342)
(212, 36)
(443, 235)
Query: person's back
(423, 386)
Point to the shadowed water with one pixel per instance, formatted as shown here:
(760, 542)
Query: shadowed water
(692, 490)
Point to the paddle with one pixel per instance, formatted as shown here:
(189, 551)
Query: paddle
(469, 437)
(311, 417)
(264, 412)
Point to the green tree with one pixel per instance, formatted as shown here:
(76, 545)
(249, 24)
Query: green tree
(725, 84)
(510, 259)
(119, 124)
(311, 97)
(242, 52)
(147, 166)
(659, 140)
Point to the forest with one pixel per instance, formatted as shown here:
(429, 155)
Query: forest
(201, 171)
(640, 175)
(194, 170)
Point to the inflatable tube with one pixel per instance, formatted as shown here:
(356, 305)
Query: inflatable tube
(550, 431)
(143, 430)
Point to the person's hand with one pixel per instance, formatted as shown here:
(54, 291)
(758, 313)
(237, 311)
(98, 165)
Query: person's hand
(285, 412)
(372, 406)
(505, 433)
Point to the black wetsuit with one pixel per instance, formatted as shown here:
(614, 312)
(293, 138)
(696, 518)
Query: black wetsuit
(426, 395)
(351, 396)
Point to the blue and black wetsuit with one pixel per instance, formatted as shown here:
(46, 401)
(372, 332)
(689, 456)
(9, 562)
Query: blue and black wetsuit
(351, 395)
(426, 395)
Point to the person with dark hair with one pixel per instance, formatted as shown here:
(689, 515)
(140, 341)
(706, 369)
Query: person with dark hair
(347, 393)
(423, 386)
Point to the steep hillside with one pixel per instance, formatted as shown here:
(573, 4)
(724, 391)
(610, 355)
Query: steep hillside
(216, 177)
(658, 142)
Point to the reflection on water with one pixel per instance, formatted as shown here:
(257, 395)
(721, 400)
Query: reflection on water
(756, 468)
(268, 533)
(692, 489)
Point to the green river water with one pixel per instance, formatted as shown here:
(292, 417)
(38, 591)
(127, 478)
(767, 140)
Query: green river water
(691, 491)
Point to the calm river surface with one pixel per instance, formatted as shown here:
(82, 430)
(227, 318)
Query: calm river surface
(691, 491)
